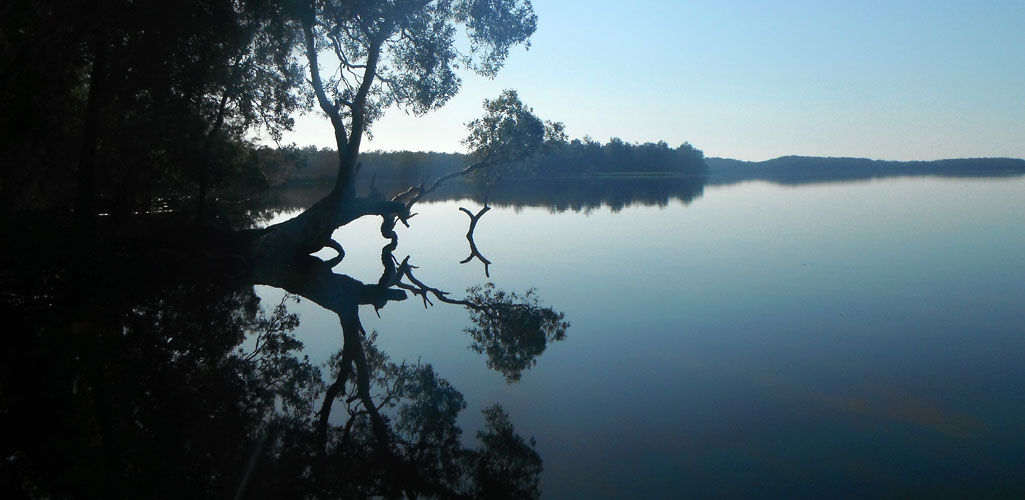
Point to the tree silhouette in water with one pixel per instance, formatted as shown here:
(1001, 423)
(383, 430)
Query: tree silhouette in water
(158, 381)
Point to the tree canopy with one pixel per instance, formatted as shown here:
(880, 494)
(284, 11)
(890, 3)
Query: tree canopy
(403, 53)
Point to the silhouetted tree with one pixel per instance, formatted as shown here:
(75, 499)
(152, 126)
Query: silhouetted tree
(400, 53)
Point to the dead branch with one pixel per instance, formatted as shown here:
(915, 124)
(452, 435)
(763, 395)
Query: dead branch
(474, 252)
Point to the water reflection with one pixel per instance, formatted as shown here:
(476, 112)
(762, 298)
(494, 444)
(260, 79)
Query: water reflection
(586, 194)
(788, 343)
(557, 195)
(145, 374)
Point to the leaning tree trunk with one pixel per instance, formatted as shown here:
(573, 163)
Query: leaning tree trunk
(311, 230)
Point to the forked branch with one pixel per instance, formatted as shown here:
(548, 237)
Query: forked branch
(469, 237)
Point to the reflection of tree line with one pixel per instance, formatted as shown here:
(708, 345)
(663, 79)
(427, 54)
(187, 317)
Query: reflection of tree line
(159, 375)
(557, 195)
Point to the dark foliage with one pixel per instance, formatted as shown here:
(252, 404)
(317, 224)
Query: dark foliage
(511, 330)
(121, 106)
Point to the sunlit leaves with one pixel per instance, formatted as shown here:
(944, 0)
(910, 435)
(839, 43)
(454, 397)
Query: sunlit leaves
(416, 41)
(507, 131)
(493, 27)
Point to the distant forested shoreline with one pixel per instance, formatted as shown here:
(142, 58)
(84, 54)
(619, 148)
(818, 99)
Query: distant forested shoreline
(812, 169)
(617, 159)
(558, 159)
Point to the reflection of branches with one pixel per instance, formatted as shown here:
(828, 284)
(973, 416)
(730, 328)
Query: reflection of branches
(272, 334)
(193, 409)
(417, 287)
(408, 425)
(512, 330)
(425, 455)
(469, 237)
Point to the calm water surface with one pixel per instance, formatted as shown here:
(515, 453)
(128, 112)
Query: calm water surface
(831, 340)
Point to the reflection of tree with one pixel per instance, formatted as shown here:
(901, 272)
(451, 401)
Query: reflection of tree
(510, 329)
(120, 391)
(153, 382)
(404, 434)
(474, 218)
(424, 455)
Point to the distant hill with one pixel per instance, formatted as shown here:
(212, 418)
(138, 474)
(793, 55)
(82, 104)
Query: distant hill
(811, 169)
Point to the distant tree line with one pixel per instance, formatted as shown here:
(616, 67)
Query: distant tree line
(589, 157)
(318, 166)
(811, 169)
(558, 158)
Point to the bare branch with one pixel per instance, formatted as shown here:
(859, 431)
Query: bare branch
(418, 192)
(469, 237)
(329, 108)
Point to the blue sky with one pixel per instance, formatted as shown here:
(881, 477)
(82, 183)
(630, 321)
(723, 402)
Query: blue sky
(755, 80)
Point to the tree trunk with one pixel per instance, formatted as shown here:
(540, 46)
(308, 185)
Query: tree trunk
(204, 165)
(311, 230)
(85, 196)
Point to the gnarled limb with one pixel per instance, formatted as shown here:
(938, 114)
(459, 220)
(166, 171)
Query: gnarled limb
(469, 237)
(417, 287)
(416, 193)
(337, 247)
(311, 230)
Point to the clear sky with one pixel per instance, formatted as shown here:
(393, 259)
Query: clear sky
(753, 80)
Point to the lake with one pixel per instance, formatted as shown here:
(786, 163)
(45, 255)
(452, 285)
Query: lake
(825, 340)
(733, 339)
